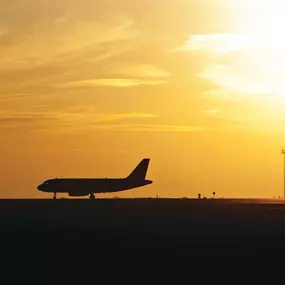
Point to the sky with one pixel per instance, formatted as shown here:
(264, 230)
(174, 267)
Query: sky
(88, 88)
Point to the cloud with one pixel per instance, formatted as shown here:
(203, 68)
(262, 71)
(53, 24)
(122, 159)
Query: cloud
(80, 121)
(136, 128)
(71, 117)
(243, 81)
(139, 71)
(160, 128)
(119, 82)
(115, 117)
(15, 96)
(60, 52)
(216, 44)
(211, 111)
(241, 64)
(129, 75)
(55, 40)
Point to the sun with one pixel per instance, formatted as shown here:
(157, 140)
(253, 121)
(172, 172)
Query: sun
(251, 61)
(266, 51)
(247, 64)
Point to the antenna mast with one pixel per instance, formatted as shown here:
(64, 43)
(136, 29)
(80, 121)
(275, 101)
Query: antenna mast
(283, 152)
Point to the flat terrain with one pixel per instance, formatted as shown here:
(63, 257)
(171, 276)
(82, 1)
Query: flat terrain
(143, 220)
(67, 231)
(43, 235)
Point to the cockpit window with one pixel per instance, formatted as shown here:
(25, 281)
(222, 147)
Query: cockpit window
(45, 183)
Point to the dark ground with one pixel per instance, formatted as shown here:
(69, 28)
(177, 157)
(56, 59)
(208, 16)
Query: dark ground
(76, 230)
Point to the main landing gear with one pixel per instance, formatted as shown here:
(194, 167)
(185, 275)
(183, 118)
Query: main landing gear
(54, 195)
(92, 196)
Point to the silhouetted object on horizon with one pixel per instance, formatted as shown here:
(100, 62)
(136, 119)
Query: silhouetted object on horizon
(199, 196)
(214, 194)
(90, 186)
(283, 153)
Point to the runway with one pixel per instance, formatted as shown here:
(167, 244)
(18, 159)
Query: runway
(76, 229)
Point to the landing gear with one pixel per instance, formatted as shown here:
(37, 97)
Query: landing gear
(54, 195)
(92, 196)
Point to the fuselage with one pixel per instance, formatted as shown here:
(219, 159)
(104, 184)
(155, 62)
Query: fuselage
(86, 186)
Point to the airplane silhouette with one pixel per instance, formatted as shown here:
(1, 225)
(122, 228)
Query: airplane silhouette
(89, 186)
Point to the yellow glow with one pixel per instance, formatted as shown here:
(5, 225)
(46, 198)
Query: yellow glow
(256, 58)
(267, 50)
(88, 88)
(249, 66)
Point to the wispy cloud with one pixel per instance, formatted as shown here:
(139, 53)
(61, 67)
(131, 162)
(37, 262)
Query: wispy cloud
(127, 75)
(74, 121)
(137, 128)
(160, 128)
(216, 44)
(70, 117)
(241, 63)
(61, 38)
(211, 111)
(139, 71)
(115, 117)
(119, 82)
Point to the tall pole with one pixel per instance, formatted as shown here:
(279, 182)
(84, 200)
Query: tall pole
(283, 152)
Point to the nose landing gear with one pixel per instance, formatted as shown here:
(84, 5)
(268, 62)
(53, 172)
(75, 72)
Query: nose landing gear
(54, 195)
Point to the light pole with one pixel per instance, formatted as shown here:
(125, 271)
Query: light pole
(283, 152)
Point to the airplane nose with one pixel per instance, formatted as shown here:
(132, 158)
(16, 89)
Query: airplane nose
(40, 187)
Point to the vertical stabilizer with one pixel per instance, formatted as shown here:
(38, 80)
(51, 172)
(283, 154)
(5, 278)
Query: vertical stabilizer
(139, 173)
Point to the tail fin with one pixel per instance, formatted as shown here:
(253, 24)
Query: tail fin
(139, 173)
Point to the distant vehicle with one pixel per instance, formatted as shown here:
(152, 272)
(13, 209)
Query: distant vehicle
(78, 187)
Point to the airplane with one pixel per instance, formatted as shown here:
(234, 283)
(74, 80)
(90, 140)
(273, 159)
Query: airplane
(76, 187)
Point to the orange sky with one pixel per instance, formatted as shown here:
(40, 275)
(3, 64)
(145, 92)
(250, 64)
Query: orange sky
(88, 88)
